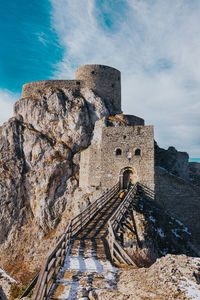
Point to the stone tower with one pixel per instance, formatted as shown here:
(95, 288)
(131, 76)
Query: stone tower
(125, 152)
(104, 81)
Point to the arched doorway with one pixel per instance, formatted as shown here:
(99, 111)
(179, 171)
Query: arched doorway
(127, 177)
(127, 174)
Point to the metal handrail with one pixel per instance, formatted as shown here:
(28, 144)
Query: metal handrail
(56, 257)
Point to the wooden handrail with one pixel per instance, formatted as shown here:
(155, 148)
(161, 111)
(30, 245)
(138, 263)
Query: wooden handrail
(117, 252)
(147, 191)
(56, 256)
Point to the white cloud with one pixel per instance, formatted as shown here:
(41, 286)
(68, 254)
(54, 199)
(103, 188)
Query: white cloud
(156, 47)
(7, 99)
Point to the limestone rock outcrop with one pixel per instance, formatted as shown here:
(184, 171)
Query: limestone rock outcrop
(39, 163)
(157, 233)
(171, 277)
(194, 171)
(39, 170)
(173, 161)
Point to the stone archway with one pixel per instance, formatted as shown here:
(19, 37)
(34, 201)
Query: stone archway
(127, 174)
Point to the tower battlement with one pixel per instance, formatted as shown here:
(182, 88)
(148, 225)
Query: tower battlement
(103, 80)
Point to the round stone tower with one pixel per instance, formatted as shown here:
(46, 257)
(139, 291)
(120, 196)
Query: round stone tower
(104, 80)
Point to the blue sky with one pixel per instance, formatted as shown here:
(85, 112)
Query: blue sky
(154, 43)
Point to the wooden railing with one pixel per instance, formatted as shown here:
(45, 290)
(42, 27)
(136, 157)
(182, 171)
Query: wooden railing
(56, 257)
(85, 216)
(117, 252)
(146, 191)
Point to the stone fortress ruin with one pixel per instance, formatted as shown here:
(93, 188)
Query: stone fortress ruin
(66, 155)
(125, 152)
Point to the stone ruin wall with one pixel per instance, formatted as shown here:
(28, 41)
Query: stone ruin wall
(103, 80)
(104, 165)
(179, 198)
(32, 89)
(128, 139)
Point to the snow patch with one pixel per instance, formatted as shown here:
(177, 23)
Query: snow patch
(152, 219)
(160, 232)
(191, 289)
(5, 275)
(174, 231)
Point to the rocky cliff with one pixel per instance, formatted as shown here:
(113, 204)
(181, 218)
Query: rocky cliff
(173, 161)
(171, 277)
(39, 164)
(39, 171)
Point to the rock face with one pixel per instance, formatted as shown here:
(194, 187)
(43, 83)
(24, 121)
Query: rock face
(39, 163)
(171, 277)
(6, 285)
(173, 161)
(180, 199)
(194, 170)
(151, 233)
(39, 170)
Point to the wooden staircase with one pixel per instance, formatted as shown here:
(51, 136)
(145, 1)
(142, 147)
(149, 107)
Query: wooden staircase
(87, 265)
(81, 261)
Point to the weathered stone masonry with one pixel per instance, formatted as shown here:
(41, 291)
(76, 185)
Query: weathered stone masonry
(121, 148)
(124, 152)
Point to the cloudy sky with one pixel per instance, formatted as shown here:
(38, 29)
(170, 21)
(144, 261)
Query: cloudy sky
(154, 43)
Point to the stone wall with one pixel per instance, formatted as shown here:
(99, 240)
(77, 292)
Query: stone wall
(172, 160)
(34, 88)
(180, 198)
(128, 139)
(105, 166)
(104, 81)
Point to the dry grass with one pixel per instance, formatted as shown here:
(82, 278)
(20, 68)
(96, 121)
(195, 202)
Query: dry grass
(20, 270)
(59, 291)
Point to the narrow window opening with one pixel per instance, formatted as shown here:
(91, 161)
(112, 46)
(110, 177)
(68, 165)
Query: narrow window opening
(137, 152)
(118, 152)
(78, 83)
(124, 137)
(138, 130)
(92, 72)
(113, 85)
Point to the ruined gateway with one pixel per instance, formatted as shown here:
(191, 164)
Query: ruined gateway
(69, 140)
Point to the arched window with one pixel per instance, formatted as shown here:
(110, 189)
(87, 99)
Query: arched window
(118, 152)
(137, 152)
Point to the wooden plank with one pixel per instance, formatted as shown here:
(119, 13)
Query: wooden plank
(62, 260)
(51, 264)
(50, 275)
(48, 288)
(43, 293)
(124, 253)
(41, 289)
(58, 252)
(129, 227)
(58, 261)
(120, 256)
